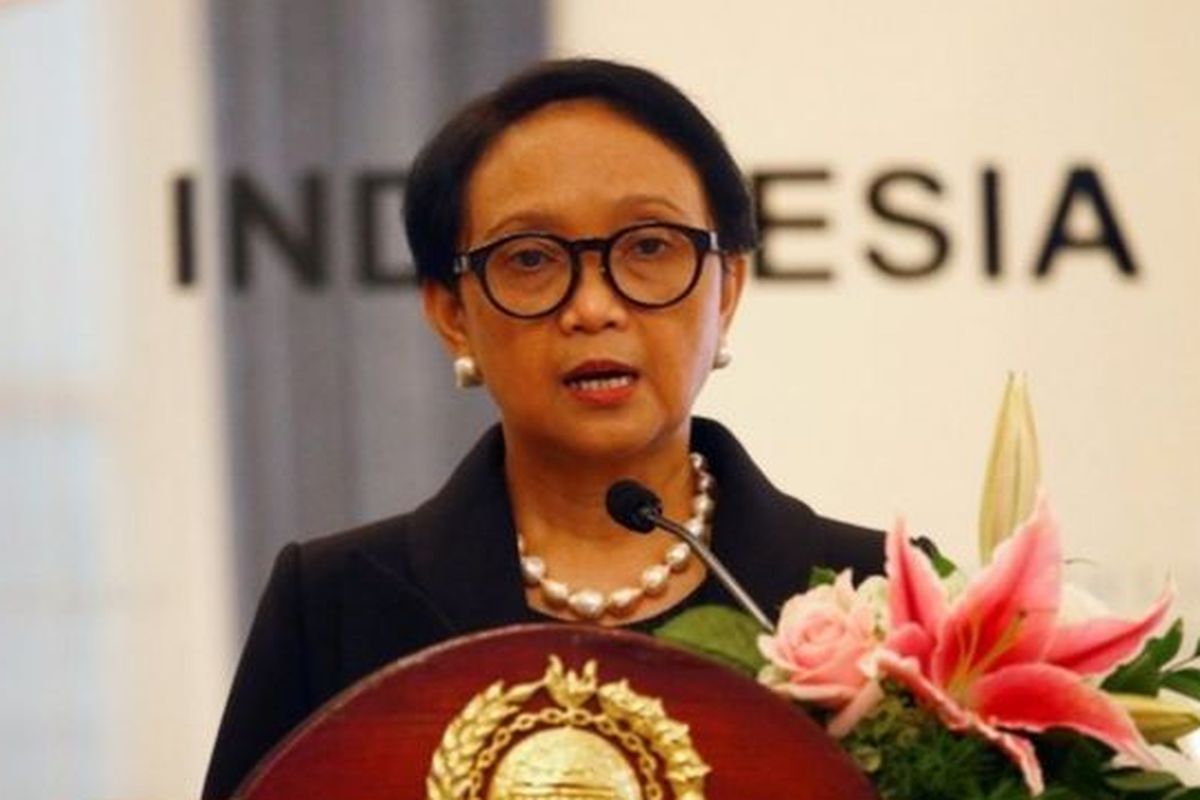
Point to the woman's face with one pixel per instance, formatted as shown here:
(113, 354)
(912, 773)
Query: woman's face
(599, 376)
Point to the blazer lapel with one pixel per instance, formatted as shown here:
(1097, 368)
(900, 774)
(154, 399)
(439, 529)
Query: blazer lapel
(464, 551)
(448, 568)
(381, 617)
(755, 526)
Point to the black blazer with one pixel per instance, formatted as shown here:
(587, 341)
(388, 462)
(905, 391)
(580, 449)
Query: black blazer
(340, 607)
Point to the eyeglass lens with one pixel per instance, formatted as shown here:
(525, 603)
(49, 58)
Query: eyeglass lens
(651, 265)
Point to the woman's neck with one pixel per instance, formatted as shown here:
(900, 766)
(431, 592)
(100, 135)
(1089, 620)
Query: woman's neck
(558, 502)
(568, 490)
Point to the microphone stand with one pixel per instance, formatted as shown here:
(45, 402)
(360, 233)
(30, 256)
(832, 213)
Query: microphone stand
(728, 581)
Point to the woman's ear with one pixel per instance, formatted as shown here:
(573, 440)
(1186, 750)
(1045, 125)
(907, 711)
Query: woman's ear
(444, 311)
(733, 279)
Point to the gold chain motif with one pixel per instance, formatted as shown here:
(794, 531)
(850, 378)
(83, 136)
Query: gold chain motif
(450, 771)
(479, 743)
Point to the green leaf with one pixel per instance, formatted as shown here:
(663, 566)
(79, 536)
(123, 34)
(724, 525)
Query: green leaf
(1184, 793)
(821, 576)
(911, 755)
(1140, 676)
(1139, 781)
(942, 565)
(1143, 675)
(719, 633)
(1074, 758)
(1166, 647)
(1184, 681)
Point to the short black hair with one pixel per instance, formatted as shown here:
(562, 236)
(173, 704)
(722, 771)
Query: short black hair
(433, 197)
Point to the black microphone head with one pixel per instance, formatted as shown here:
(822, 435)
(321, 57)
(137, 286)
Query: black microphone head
(628, 501)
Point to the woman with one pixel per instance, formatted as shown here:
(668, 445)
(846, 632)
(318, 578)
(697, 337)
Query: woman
(582, 236)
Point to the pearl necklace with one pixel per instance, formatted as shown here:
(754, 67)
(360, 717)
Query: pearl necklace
(592, 604)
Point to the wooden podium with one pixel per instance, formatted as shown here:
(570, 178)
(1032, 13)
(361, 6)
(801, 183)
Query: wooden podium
(517, 713)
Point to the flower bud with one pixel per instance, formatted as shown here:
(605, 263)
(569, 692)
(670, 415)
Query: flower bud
(1160, 720)
(1014, 470)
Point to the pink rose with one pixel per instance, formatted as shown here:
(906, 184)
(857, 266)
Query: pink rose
(822, 639)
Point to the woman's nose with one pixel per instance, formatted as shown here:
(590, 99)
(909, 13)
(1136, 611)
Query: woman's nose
(594, 305)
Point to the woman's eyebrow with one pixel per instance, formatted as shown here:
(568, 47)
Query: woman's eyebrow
(521, 221)
(648, 199)
(536, 220)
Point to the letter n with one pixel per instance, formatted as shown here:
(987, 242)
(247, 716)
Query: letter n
(304, 248)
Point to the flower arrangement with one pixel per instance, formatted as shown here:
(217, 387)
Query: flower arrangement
(946, 687)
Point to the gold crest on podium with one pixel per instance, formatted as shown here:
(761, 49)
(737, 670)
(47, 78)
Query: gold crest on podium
(565, 737)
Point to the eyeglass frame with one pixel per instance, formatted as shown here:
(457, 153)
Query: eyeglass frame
(704, 241)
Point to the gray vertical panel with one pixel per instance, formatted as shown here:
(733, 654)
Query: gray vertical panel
(340, 401)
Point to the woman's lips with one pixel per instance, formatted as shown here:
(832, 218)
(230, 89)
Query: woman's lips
(602, 382)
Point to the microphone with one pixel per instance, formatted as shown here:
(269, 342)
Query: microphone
(637, 508)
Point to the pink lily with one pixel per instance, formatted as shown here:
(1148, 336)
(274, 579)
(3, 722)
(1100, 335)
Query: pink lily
(995, 660)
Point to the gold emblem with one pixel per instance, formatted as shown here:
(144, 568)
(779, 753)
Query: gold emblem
(589, 742)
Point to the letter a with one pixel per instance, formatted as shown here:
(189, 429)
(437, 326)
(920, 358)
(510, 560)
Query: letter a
(1083, 185)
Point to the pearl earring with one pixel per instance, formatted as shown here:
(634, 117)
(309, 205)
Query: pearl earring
(723, 357)
(466, 372)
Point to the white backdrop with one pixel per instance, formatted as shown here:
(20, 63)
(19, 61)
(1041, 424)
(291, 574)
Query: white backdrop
(868, 396)
(116, 596)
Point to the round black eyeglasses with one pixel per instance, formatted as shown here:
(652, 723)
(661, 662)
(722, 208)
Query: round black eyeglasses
(528, 275)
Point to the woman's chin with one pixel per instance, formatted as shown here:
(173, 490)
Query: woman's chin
(626, 433)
